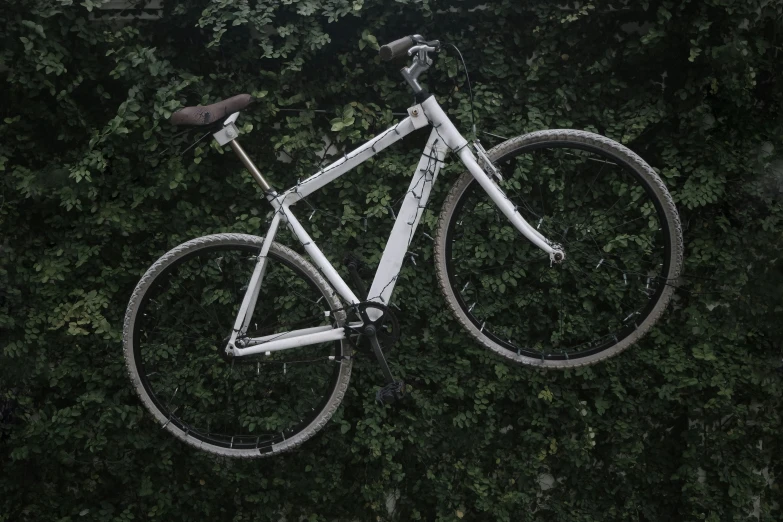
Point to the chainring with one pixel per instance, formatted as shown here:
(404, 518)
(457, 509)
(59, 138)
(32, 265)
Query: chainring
(387, 327)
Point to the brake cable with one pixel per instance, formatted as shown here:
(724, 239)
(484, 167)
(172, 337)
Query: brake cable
(470, 90)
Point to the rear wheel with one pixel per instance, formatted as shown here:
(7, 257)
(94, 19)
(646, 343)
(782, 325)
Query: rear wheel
(619, 230)
(176, 328)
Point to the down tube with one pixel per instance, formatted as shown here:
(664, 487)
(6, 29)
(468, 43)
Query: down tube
(408, 219)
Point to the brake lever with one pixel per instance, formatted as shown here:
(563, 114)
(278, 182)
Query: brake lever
(419, 39)
(416, 48)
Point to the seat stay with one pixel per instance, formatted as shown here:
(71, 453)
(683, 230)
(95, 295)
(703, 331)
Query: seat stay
(249, 301)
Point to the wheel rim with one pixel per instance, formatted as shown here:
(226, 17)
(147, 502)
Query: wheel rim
(526, 306)
(251, 402)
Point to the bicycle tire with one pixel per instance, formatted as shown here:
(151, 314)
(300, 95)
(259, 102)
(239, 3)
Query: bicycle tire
(152, 286)
(554, 143)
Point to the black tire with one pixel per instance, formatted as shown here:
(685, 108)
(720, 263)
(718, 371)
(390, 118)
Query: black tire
(176, 326)
(622, 239)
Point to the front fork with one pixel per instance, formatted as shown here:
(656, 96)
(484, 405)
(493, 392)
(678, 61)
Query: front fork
(454, 140)
(496, 194)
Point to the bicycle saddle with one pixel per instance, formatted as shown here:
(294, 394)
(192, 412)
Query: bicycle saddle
(209, 114)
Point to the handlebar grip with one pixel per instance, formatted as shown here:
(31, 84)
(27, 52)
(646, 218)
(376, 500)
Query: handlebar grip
(396, 48)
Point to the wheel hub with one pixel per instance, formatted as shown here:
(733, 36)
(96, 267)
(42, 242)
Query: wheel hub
(221, 350)
(557, 255)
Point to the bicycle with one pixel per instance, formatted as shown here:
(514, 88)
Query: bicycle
(534, 275)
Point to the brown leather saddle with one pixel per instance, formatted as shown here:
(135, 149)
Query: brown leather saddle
(211, 114)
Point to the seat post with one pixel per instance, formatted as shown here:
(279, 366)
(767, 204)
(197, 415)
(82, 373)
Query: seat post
(228, 136)
(249, 165)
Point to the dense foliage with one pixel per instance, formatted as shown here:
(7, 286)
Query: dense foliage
(95, 185)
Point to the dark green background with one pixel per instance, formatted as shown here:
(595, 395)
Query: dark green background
(684, 426)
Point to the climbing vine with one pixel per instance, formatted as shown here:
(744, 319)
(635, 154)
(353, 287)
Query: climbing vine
(95, 184)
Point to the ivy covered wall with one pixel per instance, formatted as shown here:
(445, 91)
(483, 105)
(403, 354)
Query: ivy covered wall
(95, 185)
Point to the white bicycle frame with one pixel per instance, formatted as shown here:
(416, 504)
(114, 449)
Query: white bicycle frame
(443, 138)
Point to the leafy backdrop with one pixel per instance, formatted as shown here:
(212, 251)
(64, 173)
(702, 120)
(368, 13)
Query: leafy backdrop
(95, 186)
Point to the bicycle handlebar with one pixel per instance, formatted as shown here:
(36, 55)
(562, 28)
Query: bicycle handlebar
(402, 46)
(419, 48)
(396, 48)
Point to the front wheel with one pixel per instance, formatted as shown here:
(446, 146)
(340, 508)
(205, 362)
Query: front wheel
(178, 323)
(618, 227)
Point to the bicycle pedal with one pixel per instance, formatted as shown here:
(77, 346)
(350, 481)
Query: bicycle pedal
(390, 393)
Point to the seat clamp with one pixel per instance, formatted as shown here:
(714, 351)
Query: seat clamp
(229, 132)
